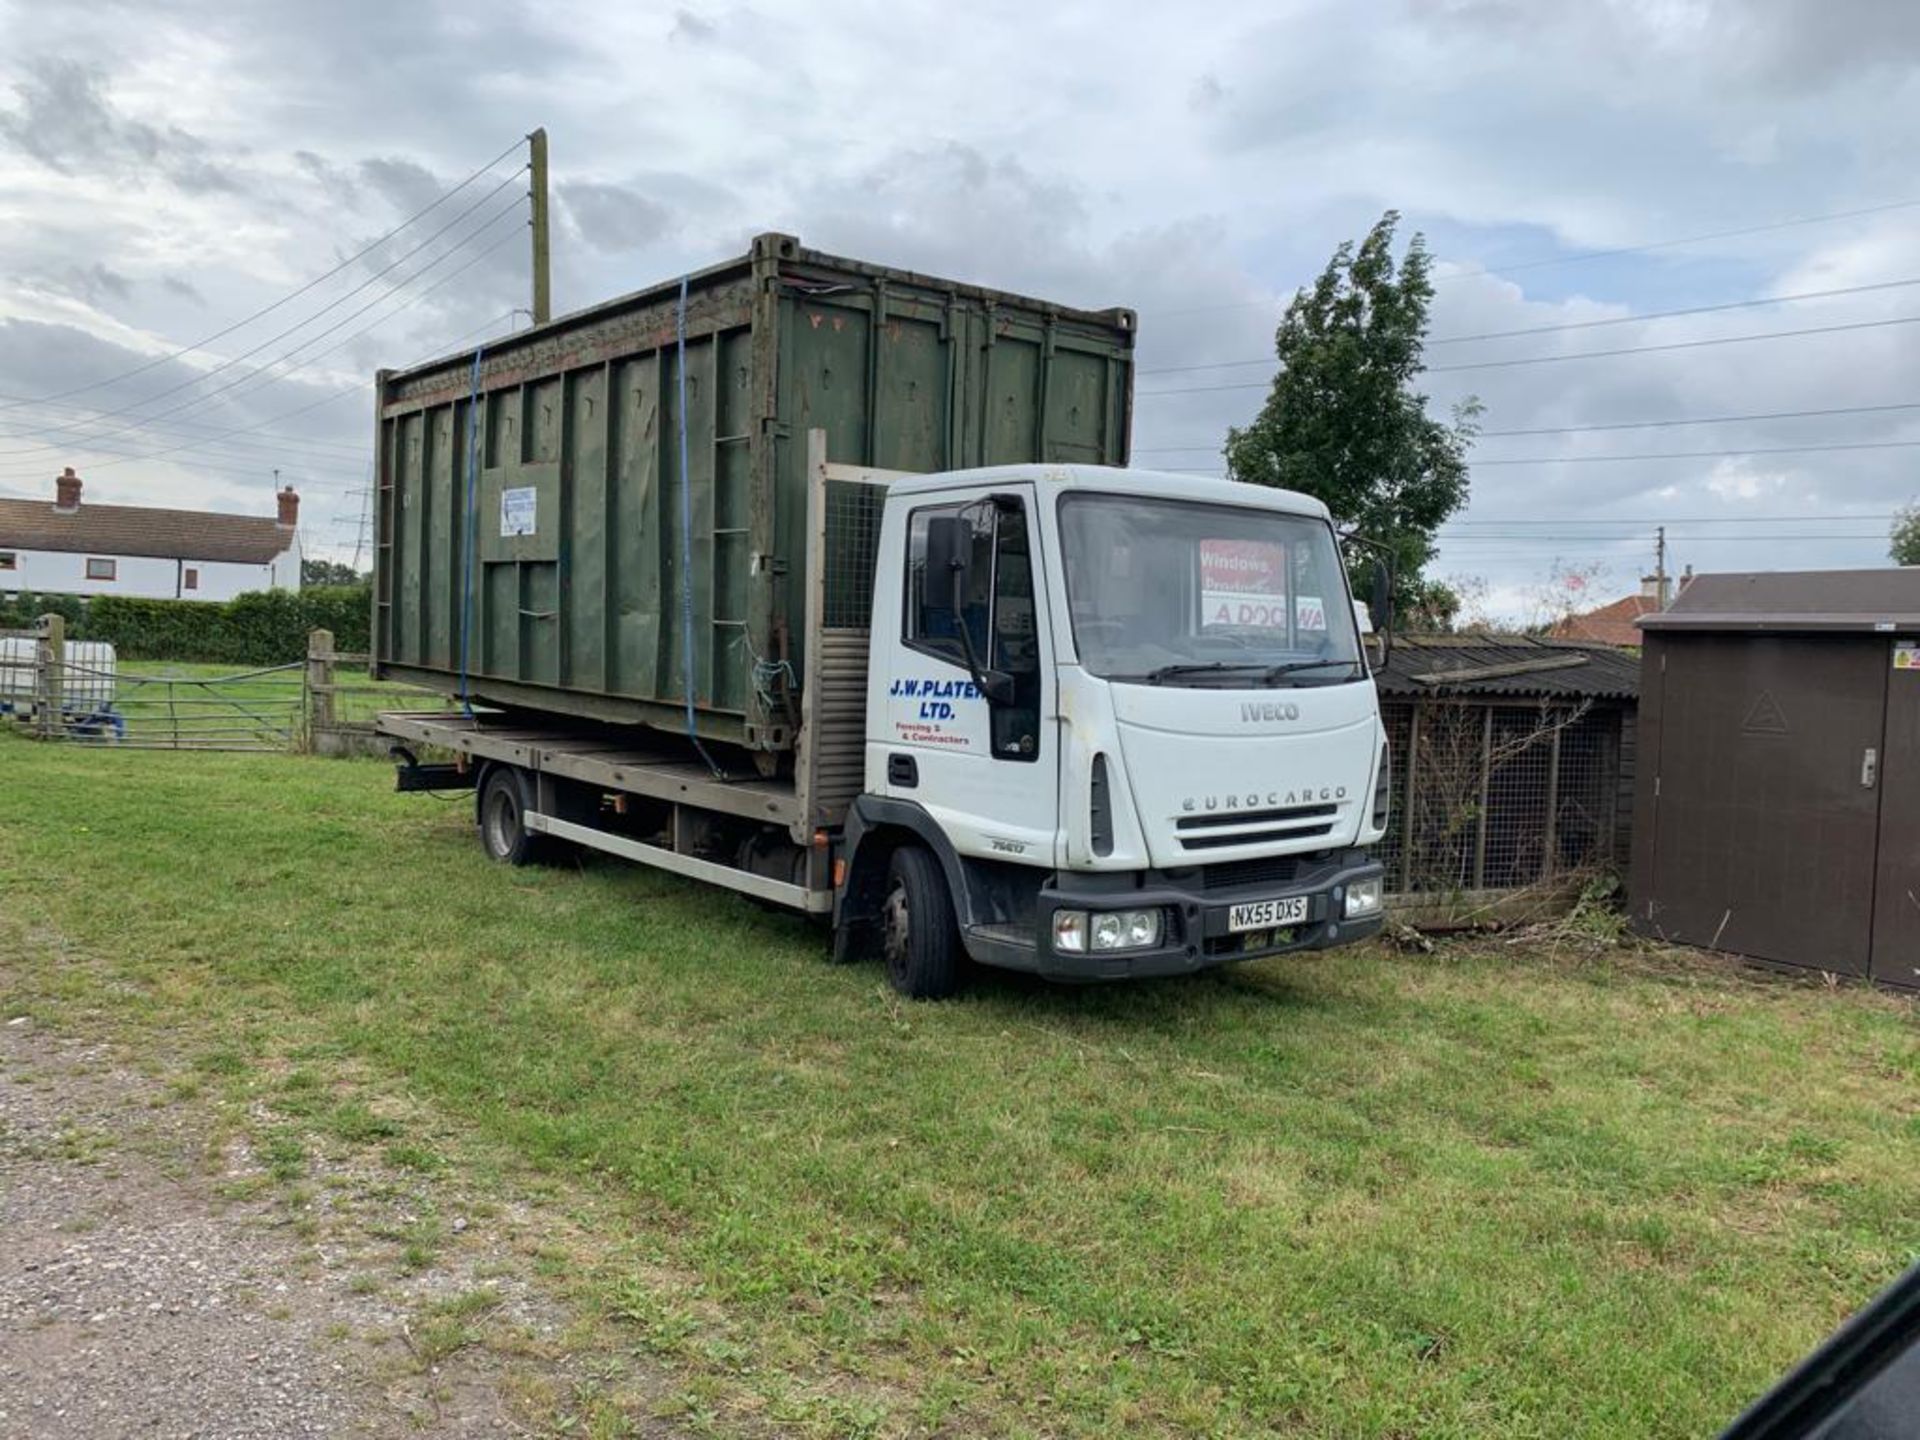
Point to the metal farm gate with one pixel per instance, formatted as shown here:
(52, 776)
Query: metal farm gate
(56, 689)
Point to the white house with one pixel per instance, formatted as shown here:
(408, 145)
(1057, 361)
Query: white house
(67, 548)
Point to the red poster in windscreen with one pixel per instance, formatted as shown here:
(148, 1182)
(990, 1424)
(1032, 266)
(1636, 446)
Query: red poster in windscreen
(1243, 583)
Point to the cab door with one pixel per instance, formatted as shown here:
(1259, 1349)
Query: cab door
(986, 772)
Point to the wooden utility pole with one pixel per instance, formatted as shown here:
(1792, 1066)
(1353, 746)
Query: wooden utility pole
(542, 255)
(1660, 567)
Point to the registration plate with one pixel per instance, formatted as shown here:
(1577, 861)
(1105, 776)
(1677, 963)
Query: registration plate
(1267, 914)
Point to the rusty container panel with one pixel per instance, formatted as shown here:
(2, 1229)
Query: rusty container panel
(1896, 923)
(1756, 823)
(560, 586)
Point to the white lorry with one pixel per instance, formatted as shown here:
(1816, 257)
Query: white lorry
(1086, 722)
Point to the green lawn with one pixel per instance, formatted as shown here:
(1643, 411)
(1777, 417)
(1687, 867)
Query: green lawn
(1496, 1191)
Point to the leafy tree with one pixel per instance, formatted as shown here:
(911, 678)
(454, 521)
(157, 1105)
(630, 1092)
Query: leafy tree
(1903, 545)
(328, 572)
(1344, 423)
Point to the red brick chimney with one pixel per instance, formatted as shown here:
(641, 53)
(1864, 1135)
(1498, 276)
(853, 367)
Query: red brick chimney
(66, 491)
(289, 508)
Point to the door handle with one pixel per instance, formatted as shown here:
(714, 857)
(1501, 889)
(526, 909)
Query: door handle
(903, 770)
(1869, 768)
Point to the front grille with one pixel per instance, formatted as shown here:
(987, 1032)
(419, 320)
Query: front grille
(1254, 837)
(1256, 943)
(1266, 870)
(1254, 817)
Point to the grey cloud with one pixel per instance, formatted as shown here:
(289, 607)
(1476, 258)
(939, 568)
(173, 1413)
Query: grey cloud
(92, 283)
(404, 184)
(175, 285)
(334, 182)
(691, 27)
(66, 122)
(1788, 45)
(613, 218)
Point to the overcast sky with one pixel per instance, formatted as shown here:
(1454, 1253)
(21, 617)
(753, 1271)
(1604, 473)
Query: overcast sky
(169, 167)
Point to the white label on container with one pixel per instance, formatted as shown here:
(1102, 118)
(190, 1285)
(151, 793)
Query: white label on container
(517, 511)
(1906, 655)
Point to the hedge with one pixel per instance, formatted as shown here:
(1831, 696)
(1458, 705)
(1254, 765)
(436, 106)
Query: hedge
(263, 627)
(23, 609)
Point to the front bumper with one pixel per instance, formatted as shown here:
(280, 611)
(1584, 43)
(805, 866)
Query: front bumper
(1197, 937)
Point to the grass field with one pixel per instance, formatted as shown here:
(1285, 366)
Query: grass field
(1501, 1190)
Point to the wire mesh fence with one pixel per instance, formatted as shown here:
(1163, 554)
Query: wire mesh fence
(1499, 796)
(853, 540)
(343, 700)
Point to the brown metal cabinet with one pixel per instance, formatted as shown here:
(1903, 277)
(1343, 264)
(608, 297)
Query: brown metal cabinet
(1896, 907)
(1778, 800)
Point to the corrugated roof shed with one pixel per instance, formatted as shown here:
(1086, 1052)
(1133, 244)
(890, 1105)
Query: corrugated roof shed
(1522, 666)
(136, 530)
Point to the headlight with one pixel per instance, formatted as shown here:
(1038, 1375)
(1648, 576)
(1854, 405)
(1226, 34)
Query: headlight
(1363, 898)
(1075, 931)
(1126, 929)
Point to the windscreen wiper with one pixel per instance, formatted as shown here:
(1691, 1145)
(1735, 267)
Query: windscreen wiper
(1274, 672)
(1207, 667)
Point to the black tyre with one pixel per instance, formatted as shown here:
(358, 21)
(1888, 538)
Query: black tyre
(918, 937)
(503, 805)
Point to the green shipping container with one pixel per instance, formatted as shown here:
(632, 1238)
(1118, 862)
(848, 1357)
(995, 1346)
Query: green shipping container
(551, 574)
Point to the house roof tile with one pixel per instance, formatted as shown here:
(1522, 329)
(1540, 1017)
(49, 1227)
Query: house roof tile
(1609, 625)
(139, 530)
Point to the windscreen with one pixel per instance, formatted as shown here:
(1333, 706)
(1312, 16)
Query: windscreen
(1174, 592)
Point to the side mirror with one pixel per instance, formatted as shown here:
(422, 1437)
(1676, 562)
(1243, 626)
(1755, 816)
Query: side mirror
(949, 554)
(1381, 602)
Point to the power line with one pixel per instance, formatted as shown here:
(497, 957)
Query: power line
(1584, 324)
(1706, 420)
(261, 470)
(301, 325)
(1587, 354)
(1650, 520)
(1213, 447)
(269, 309)
(1584, 256)
(355, 389)
(319, 451)
(140, 422)
(1676, 314)
(85, 414)
(1533, 545)
(1702, 454)
(485, 325)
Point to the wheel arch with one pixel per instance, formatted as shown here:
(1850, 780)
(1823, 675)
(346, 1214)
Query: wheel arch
(877, 827)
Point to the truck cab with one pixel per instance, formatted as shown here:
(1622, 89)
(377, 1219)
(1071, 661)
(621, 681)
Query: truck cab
(1118, 723)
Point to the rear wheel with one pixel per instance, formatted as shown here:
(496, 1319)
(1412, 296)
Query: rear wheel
(918, 936)
(503, 818)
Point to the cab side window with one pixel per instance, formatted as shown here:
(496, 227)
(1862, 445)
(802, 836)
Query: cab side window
(932, 624)
(997, 608)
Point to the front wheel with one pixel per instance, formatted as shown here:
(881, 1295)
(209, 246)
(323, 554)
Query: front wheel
(503, 818)
(918, 935)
